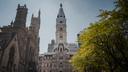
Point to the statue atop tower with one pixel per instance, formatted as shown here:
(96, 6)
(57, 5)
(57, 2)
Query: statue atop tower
(61, 12)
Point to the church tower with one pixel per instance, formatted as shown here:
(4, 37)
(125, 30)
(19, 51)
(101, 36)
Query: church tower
(35, 23)
(20, 20)
(61, 33)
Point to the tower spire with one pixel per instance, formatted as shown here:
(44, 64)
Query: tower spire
(39, 13)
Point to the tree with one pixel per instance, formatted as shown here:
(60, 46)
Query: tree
(104, 44)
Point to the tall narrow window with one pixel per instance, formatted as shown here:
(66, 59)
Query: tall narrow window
(60, 49)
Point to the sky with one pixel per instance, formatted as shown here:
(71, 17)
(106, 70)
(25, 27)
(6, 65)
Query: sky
(79, 14)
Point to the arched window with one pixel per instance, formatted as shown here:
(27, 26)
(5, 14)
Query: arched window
(60, 49)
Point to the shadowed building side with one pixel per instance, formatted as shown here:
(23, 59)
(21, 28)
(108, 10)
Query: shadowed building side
(21, 16)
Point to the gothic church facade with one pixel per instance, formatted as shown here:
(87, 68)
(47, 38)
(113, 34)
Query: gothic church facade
(19, 45)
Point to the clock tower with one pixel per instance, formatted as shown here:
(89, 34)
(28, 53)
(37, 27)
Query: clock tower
(61, 32)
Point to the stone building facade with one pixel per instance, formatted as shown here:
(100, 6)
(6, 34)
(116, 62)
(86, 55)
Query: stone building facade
(57, 59)
(19, 45)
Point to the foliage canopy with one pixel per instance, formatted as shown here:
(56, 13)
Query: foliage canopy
(104, 44)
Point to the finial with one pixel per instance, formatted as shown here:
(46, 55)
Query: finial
(61, 5)
(39, 12)
(32, 15)
(25, 5)
(18, 5)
